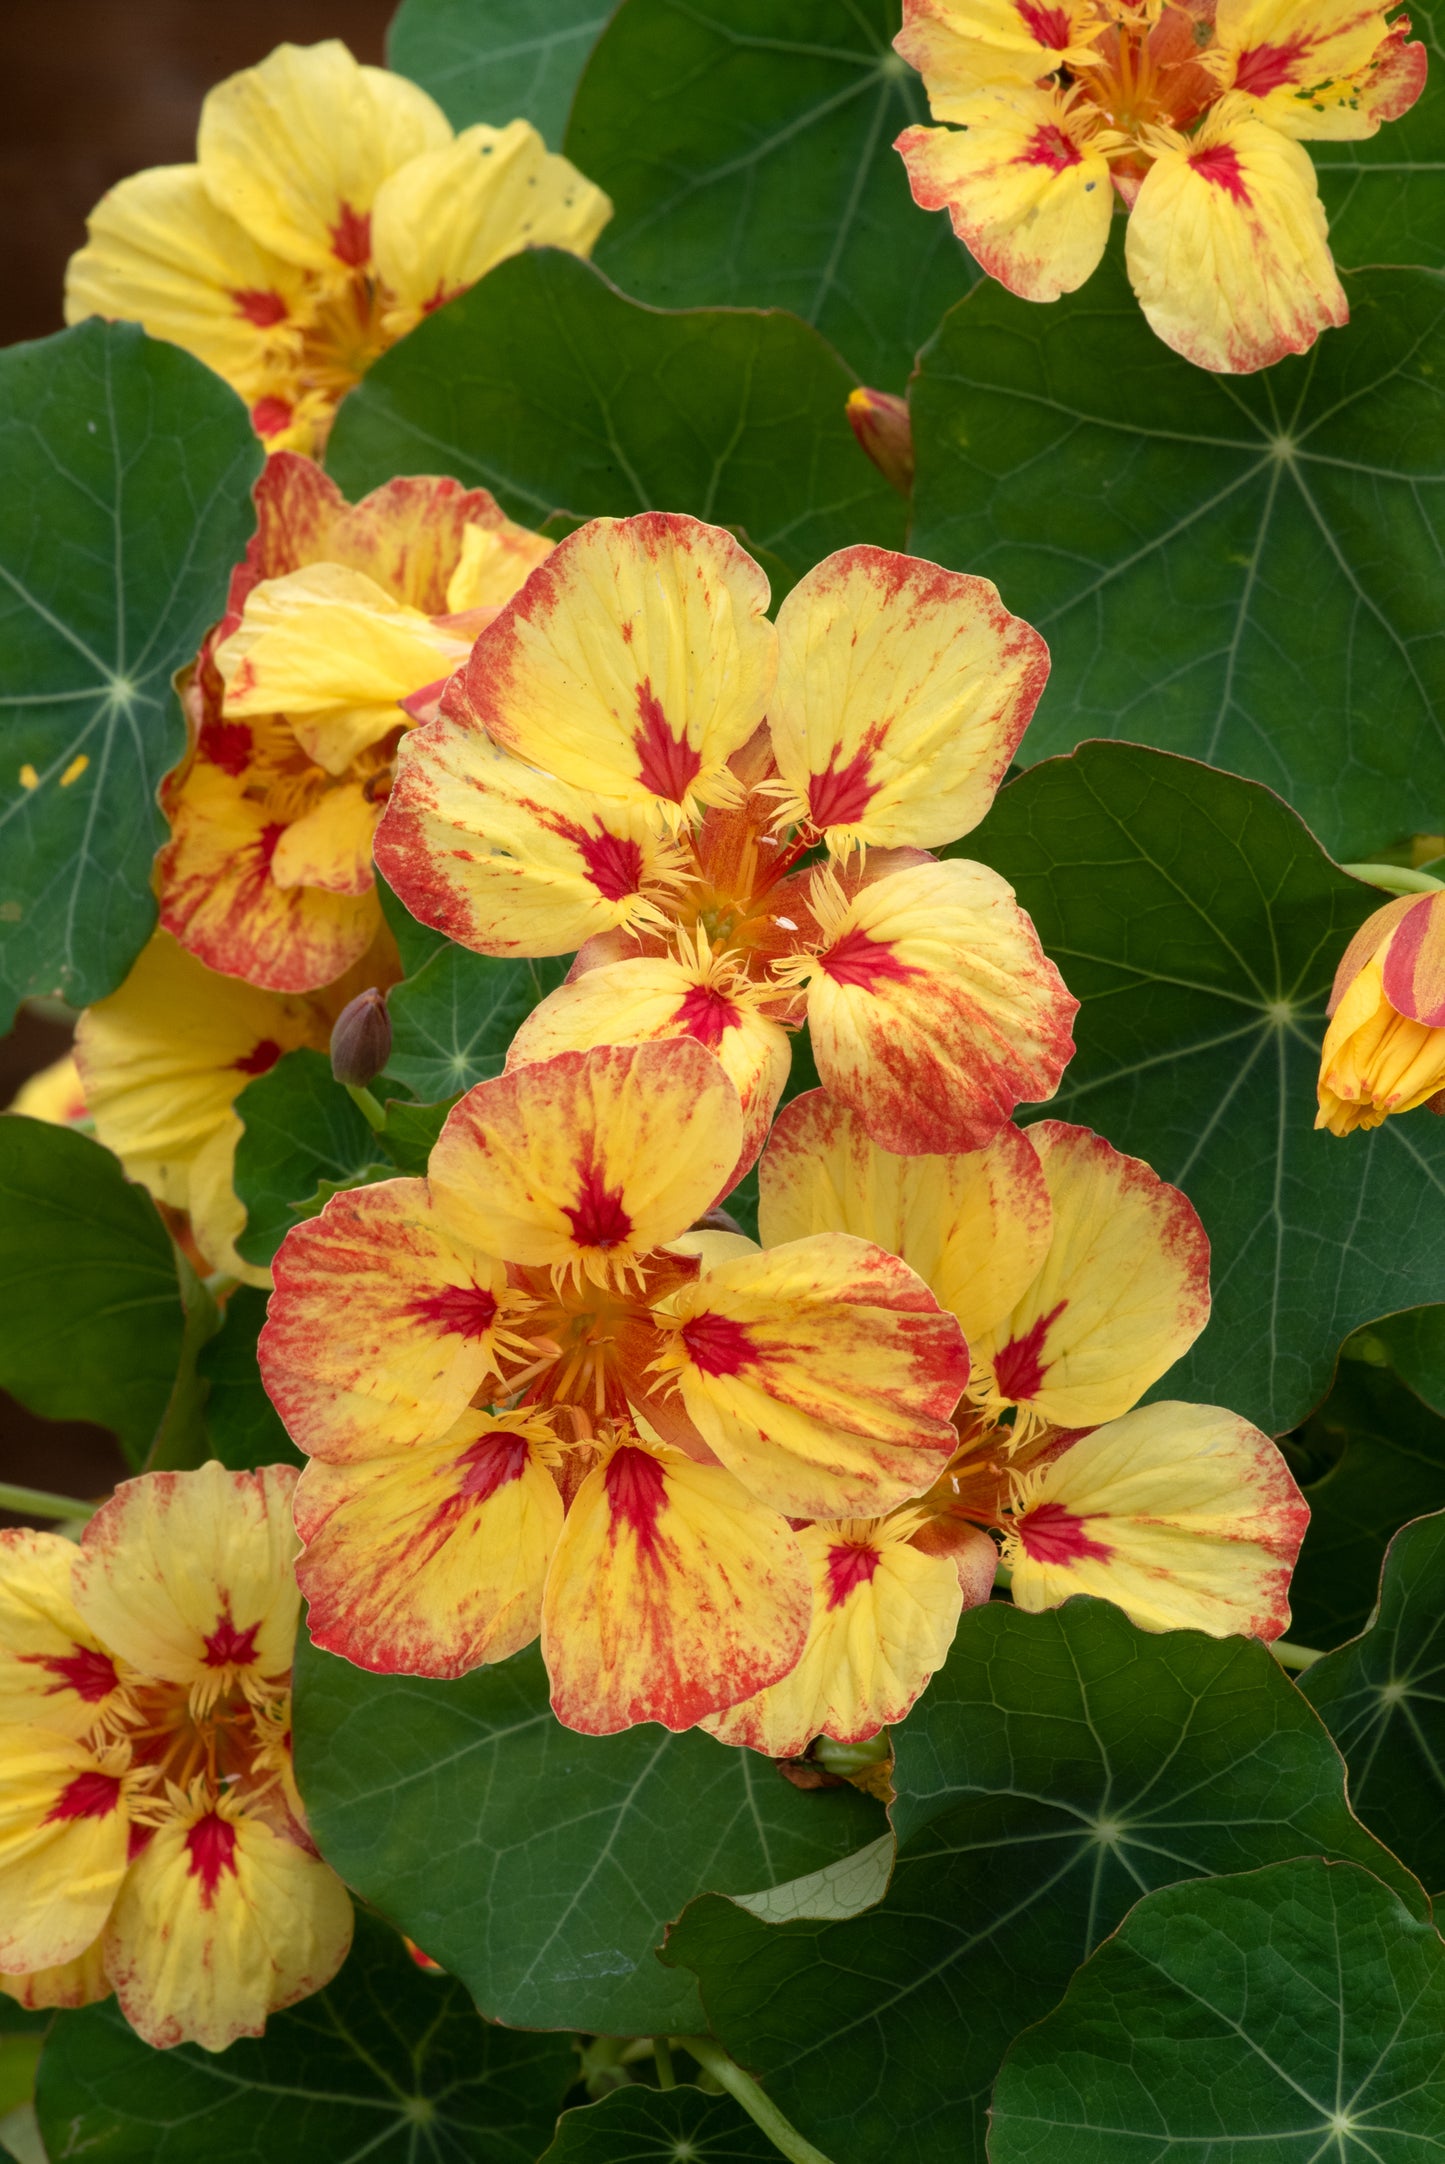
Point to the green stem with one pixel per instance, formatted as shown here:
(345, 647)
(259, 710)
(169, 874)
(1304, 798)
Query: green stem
(1295, 1657)
(367, 1106)
(761, 2109)
(1394, 878)
(662, 2059)
(39, 1503)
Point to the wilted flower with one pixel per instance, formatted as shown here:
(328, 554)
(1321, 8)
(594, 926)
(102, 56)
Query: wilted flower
(329, 210)
(1384, 1050)
(151, 1837)
(1191, 114)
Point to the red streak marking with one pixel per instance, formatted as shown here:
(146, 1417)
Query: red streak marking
(259, 307)
(227, 1647)
(211, 1845)
(138, 1840)
(351, 237)
(614, 864)
(849, 1566)
(1049, 146)
(467, 1310)
(226, 744)
(260, 1059)
(840, 796)
(439, 299)
(707, 1014)
(863, 963)
(1049, 25)
(667, 764)
(1267, 67)
(718, 1345)
(491, 1462)
(597, 1218)
(270, 415)
(1052, 1534)
(1019, 1369)
(1221, 166)
(1408, 984)
(87, 1672)
(636, 1494)
(268, 841)
(89, 1795)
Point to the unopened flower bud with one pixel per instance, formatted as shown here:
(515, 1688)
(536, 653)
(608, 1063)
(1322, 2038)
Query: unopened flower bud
(1384, 1050)
(361, 1039)
(881, 424)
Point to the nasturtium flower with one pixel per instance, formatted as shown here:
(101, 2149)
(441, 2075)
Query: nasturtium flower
(637, 763)
(1192, 114)
(152, 1841)
(1078, 1277)
(162, 1062)
(1384, 1050)
(534, 1401)
(330, 208)
(339, 614)
(56, 1095)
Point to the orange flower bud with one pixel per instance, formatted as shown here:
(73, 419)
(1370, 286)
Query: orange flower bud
(881, 424)
(1384, 1050)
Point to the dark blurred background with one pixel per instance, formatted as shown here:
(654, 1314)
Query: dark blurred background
(96, 89)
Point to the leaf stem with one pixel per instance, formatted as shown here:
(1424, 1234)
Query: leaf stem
(1295, 1657)
(761, 2109)
(39, 1503)
(1394, 878)
(662, 2059)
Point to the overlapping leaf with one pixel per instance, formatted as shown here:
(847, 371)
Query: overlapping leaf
(1059, 1766)
(453, 1022)
(303, 1136)
(127, 466)
(243, 1425)
(659, 2126)
(1386, 196)
(556, 392)
(1200, 924)
(538, 1865)
(748, 147)
(501, 62)
(1414, 1342)
(1284, 2016)
(1244, 568)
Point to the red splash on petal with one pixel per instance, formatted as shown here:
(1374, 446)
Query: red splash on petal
(351, 237)
(863, 964)
(1019, 1368)
(614, 864)
(269, 416)
(840, 795)
(268, 841)
(1049, 25)
(466, 1310)
(636, 1494)
(259, 307)
(667, 763)
(260, 1059)
(226, 744)
(707, 1014)
(87, 1795)
(1262, 68)
(1221, 166)
(491, 1462)
(211, 1846)
(1050, 147)
(137, 1841)
(597, 1217)
(850, 1565)
(226, 1647)
(87, 1671)
(1051, 1534)
(718, 1345)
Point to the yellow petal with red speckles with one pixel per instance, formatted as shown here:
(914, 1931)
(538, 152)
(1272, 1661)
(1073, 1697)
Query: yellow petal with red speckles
(448, 217)
(297, 148)
(432, 1560)
(672, 1593)
(591, 1159)
(330, 846)
(1226, 246)
(883, 1620)
(189, 1577)
(634, 662)
(502, 857)
(933, 1010)
(903, 691)
(1183, 1515)
(656, 997)
(1026, 190)
(1317, 69)
(54, 1672)
(822, 1373)
(959, 46)
(222, 1921)
(383, 1324)
(81, 1982)
(1121, 1294)
(974, 1226)
(64, 1830)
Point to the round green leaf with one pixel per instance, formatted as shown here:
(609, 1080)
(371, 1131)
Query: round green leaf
(387, 2063)
(1200, 924)
(127, 466)
(1245, 568)
(538, 1865)
(1386, 196)
(748, 148)
(1288, 2016)
(659, 2126)
(452, 1023)
(547, 386)
(499, 62)
(1383, 1700)
(303, 1138)
(243, 1425)
(1060, 1765)
(1415, 1342)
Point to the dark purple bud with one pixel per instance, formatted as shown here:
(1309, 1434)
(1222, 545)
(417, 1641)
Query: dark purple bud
(361, 1039)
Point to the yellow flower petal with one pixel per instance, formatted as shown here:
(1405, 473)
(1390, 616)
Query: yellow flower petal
(903, 691)
(672, 1593)
(56, 1095)
(217, 1213)
(54, 1672)
(822, 1373)
(959, 46)
(1227, 249)
(296, 149)
(430, 1561)
(1183, 1515)
(221, 1921)
(1026, 191)
(81, 1982)
(974, 1226)
(330, 846)
(496, 560)
(933, 1011)
(446, 218)
(383, 1325)
(189, 1577)
(590, 1160)
(635, 662)
(1318, 69)
(884, 1616)
(64, 1830)
(1122, 1292)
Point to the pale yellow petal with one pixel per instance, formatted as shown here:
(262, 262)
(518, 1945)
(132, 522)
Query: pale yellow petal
(330, 846)
(54, 1672)
(64, 1830)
